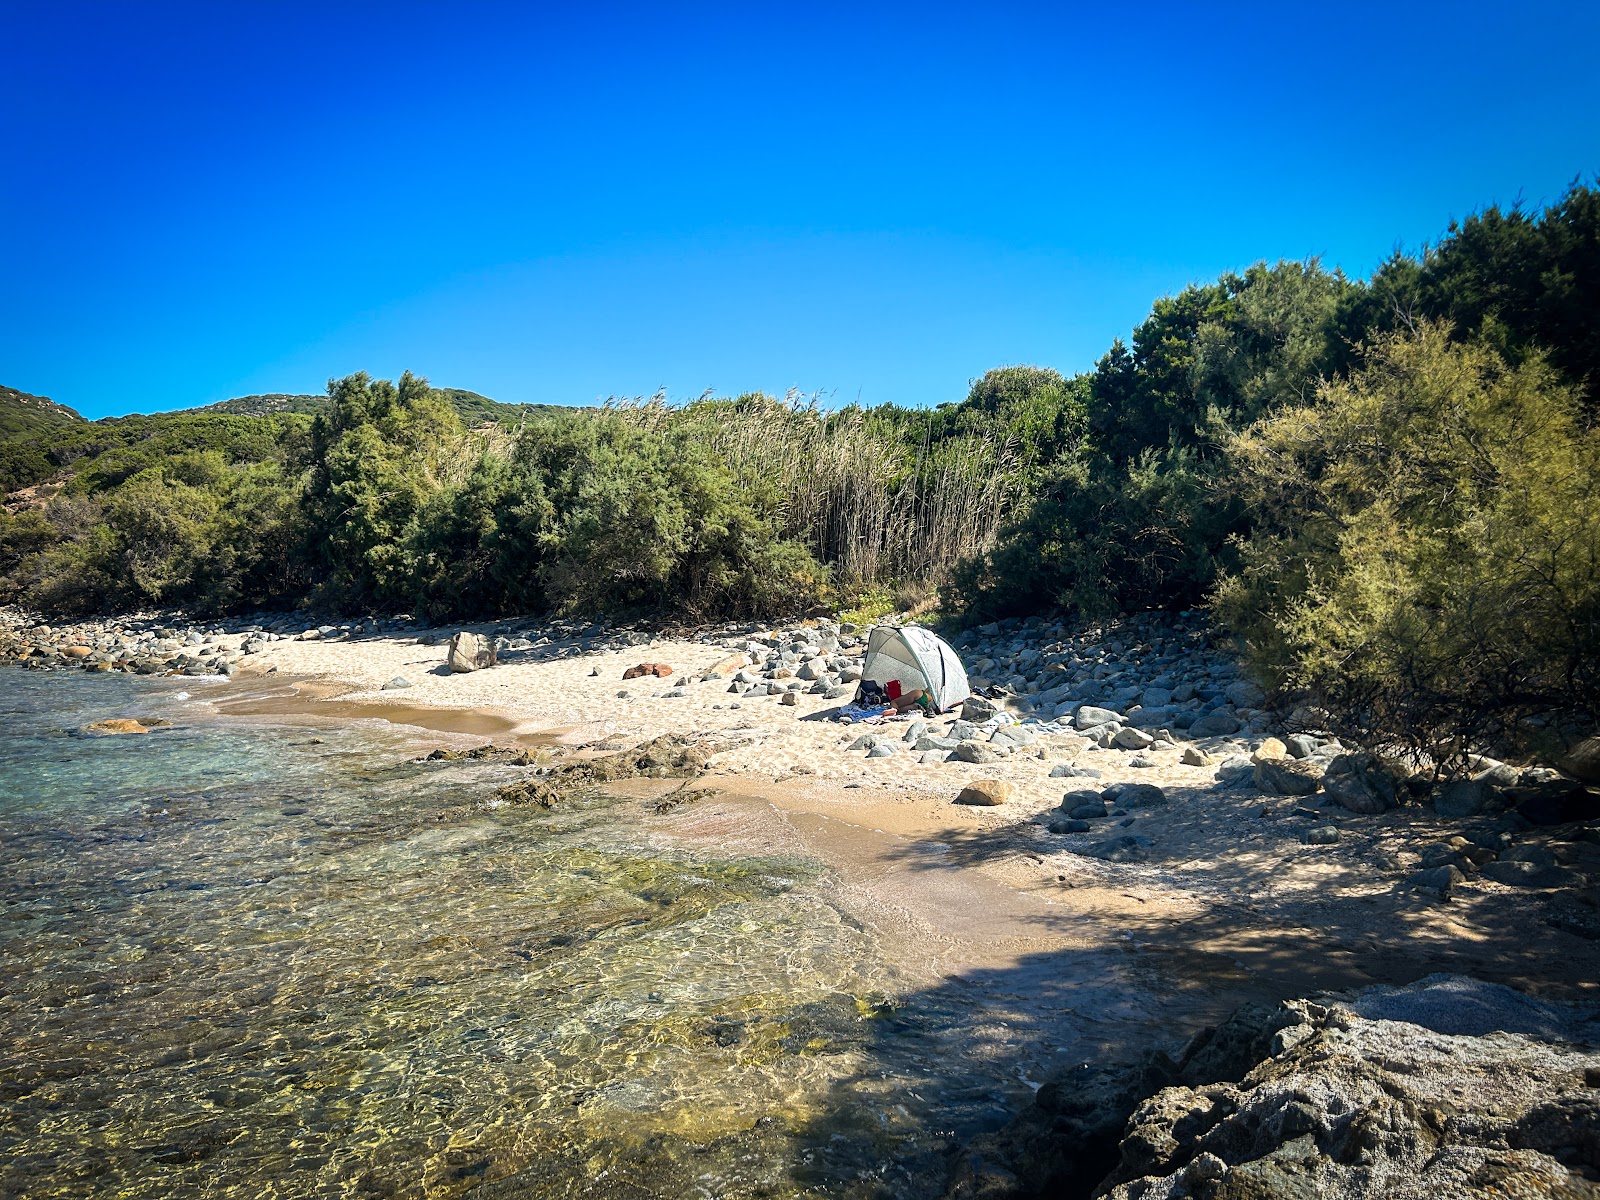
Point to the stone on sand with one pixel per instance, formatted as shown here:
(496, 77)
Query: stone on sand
(986, 792)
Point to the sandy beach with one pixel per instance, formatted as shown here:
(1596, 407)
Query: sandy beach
(1232, 903)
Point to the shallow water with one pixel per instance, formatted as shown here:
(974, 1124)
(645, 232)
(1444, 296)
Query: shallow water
(250, 960)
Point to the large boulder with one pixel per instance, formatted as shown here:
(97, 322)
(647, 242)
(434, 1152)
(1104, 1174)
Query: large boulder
(1219, 723)
(1360, 783)
(1465, 798)
(470, 652)
(1141, 795)
(1243, 694)
(1448, 1088)
(1583, 761)
(1288, 776)
(1090, 717)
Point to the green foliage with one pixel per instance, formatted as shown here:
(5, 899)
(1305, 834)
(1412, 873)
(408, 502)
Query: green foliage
(1425, 552)
(1132, 516)
(642, 518)
(376, 458)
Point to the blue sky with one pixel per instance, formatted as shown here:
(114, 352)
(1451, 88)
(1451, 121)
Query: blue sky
(545, 204)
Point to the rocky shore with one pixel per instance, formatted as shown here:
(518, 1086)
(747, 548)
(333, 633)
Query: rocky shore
(1131, 787)
(1446, 1089)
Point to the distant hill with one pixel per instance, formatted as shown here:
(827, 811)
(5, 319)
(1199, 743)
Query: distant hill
(25, 415)
(473, 408)
(261, 406)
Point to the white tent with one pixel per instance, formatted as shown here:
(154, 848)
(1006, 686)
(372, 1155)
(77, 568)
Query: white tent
(917, 659)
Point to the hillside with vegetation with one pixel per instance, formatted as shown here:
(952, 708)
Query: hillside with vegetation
(23, 415)
(472, 408)
(1388, 488)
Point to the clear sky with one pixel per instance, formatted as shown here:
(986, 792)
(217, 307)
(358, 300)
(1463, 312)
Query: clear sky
(554, 203)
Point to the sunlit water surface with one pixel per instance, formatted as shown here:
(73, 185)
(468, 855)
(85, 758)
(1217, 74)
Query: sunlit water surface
(251, 960)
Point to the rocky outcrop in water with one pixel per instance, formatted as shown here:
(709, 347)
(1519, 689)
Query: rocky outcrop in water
(1448, 1088)
(668, 757)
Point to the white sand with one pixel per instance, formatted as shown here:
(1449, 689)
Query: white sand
(778, 741)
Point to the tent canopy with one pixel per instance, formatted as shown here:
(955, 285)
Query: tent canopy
(917, 659)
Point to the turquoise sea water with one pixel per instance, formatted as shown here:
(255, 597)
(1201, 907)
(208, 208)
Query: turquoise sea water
(250, 960)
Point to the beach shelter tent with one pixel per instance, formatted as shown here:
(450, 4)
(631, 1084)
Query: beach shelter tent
(917, 659)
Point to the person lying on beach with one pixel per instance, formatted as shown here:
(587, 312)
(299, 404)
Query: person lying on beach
(906, 701)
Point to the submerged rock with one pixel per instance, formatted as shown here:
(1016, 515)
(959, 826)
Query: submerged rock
(117, 726)
(670, 756)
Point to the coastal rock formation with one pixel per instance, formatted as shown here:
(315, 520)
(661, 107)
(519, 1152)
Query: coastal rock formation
(1451, 1087)
(1447, 1088)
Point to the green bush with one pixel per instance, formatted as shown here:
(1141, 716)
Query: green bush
(1425, 551)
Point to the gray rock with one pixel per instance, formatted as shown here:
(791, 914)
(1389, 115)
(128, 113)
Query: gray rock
(1438, 880)
(1013, 735)
(1124, 849)
(1082, 796)
(1088, 812)
(399, 681)
(929, 742)
(812, 669)
(1073, 771)
(865, 742)
(1132, 739)
(1288, 776)
(1220, 723)
(883, 749)
(840, 692)
(1058, 824)
(1302, 745)
(974, 752)
(1519, 873)
(788, 699)
(1351, 1106)
(1464, 798)
(1438, 854)
(1244, 694)
(1321, 835)
(1090, 717)
(914, 731)
(1141, 795)
(1153, 718)
(977, 710)
(964, 731)
(1360, 783)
